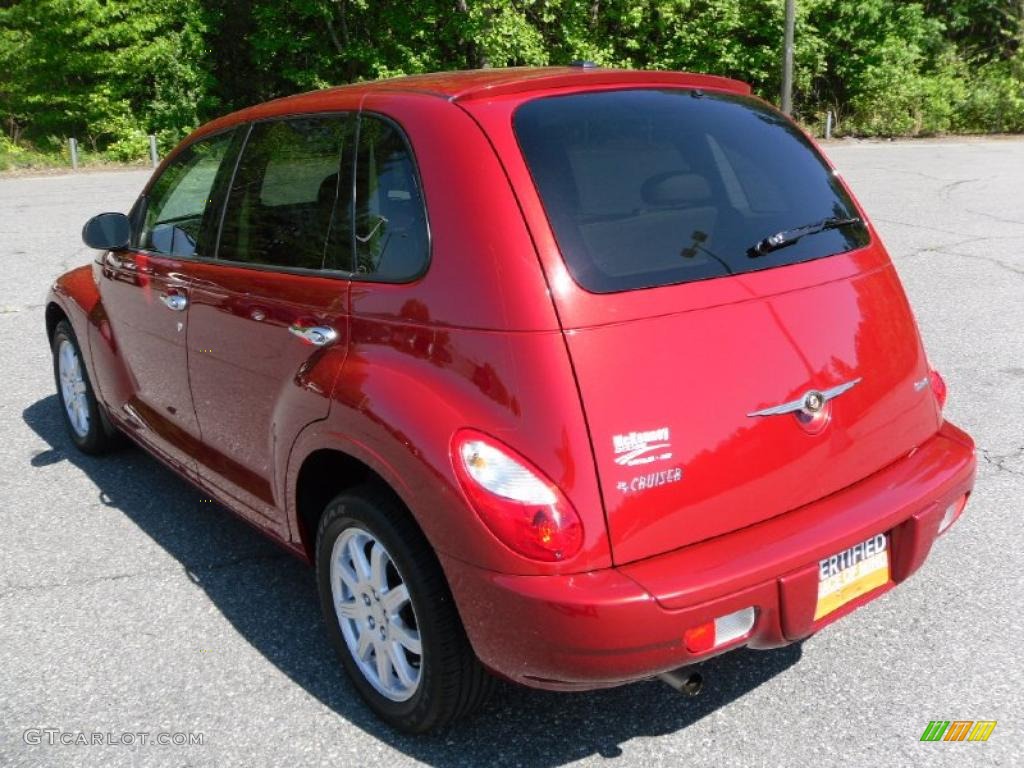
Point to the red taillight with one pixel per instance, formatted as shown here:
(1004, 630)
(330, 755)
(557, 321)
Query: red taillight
(518, 504)
(952, 513)
(720, 631)
(938, 387)
(700, 639)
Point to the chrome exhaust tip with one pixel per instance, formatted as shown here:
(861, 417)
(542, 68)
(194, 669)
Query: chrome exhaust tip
(686, 683)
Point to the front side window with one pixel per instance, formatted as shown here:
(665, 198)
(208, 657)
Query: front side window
(289, 202)
(391, 236)
(176, 203)
(656, 187)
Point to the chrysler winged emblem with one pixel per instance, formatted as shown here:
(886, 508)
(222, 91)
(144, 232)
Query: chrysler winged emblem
(809, 403)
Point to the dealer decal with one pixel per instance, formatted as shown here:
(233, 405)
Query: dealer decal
(636, 448)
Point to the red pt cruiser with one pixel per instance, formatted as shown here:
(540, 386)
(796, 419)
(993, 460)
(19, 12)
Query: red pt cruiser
(570, 375)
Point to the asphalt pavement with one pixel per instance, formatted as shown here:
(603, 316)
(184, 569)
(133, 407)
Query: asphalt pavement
(129, 606)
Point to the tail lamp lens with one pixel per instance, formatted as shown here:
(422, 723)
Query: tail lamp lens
(518, 504)
(496, 471)
(701, 638)
(938, 385)
(720, 631)
(953, 512)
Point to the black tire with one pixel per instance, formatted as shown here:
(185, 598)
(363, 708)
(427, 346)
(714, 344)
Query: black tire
(100, 436)
(452, 682)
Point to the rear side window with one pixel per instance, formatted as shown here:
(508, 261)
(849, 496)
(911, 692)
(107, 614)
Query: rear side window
(178, 200)
(289, 200)
(391, 236)
(655, 187)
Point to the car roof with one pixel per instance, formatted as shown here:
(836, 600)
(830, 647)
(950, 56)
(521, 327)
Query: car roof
(468, 85)
(481, 83)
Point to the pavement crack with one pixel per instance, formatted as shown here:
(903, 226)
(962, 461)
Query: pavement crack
(998, 460)
(926, 228)
(990, 259)
(947, 189)
(994, 217)
(906, 172)
(943, 247)
(948, 250)
(194, 574)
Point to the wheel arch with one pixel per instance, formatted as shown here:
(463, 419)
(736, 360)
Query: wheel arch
(322, 473)
(74, 297)
(54, 314)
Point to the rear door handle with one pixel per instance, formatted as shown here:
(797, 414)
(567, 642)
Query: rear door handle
(174, 301)
(318, 335)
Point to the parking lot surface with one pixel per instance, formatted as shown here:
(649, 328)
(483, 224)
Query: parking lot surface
(129, 605)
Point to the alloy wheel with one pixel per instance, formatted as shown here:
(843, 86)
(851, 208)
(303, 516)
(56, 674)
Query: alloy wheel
(73, 388)
(375, 613)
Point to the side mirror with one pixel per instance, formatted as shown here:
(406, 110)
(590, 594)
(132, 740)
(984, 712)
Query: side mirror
(107, 232)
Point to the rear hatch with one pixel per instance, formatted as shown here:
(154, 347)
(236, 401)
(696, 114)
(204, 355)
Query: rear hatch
(727, 377)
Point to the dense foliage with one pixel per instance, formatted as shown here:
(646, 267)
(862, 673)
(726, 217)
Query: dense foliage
(109, 72)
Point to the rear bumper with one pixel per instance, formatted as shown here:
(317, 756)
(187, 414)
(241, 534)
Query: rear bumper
(626, 623)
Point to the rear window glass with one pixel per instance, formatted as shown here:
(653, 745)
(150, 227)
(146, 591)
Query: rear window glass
(656, 187)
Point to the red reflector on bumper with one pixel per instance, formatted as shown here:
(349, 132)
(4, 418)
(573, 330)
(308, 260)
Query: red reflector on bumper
(701, 638)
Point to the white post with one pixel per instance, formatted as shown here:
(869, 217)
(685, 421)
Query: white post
(152, 151)
(828, 125)
(73, 146)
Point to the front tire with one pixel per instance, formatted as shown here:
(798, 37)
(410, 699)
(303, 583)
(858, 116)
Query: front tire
(390, 615)
(86, 423)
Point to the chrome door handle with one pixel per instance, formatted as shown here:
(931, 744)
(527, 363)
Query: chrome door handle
(174, 301)
(318, 336)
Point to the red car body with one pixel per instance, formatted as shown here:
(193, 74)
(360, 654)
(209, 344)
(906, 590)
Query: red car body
(496, 336)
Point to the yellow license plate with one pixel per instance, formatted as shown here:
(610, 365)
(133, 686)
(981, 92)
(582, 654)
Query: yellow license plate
(851, 573)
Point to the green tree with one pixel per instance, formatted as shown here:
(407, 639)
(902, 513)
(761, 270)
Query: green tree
(111, 71)
(982, 30)
(108, 73)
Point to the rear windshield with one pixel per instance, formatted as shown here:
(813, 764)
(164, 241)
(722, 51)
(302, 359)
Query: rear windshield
(656, 187)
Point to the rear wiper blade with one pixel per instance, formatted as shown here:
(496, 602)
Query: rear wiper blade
(790, 236)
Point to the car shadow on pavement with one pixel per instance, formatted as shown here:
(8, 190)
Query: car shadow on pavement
(269, 597)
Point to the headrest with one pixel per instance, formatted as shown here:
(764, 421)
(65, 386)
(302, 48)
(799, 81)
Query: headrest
(328, 187)
(675, 188)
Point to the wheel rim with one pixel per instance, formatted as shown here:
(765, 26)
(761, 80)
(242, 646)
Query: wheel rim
(376, 615)
(72, 388)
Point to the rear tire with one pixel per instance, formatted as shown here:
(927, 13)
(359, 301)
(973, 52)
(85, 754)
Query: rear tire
(87, 425)
(384, 605)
